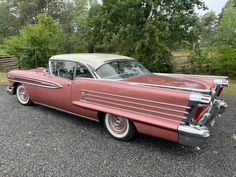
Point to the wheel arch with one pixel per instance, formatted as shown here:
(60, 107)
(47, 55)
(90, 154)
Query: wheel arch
(101, 116)
(15, 85)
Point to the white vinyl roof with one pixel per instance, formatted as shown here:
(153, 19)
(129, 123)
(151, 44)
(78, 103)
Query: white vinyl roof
(91, 59)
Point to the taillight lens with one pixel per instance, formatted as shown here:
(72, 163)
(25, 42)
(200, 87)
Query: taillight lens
(219, 91)
(199, 113)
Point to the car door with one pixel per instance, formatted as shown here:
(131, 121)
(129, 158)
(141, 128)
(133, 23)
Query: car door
(57, 92)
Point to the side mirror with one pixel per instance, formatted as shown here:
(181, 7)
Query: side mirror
(45, 71)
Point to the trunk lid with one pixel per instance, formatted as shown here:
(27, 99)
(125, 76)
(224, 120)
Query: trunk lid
(171, 81)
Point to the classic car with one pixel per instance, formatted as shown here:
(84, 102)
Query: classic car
(123, 95)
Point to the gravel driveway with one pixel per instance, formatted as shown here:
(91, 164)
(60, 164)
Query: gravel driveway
(38, 141)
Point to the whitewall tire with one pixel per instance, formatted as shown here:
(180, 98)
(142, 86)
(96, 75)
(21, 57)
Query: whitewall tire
(22, 95)
(119, 127)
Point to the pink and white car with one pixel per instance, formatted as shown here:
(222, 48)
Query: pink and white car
(122, 94)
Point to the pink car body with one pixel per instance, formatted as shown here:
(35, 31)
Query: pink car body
(176, 107)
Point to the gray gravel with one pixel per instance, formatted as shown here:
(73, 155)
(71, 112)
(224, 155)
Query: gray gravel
(38, 141)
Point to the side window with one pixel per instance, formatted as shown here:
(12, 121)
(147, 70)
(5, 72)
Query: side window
(65, 69)
(82, 71)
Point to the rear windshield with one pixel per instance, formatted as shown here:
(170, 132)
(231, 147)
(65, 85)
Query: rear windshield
(121, 69)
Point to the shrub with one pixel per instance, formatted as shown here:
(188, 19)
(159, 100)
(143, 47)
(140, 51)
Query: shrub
(36, 42)
(215, 61)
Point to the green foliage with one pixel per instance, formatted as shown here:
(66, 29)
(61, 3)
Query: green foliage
(36, 42)
(208, 24)
(8, 23)
(217, 54)
(215, 60)
(226, 33)
(225, 63)
(146, 30)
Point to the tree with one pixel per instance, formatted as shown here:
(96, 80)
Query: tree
(226, 31)
(8, 23)
(208, 24)
(36, 42)
(144, 29)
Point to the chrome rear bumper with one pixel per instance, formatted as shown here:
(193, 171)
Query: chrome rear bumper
(196, 135)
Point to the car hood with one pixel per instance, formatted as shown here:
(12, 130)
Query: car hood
(171, 81)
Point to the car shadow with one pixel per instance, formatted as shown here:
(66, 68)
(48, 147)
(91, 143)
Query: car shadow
(140, 140)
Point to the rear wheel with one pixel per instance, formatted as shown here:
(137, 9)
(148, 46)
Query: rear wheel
(119, 127)
(23, 96)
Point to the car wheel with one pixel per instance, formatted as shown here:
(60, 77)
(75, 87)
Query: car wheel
(119, 127)
(23, 96)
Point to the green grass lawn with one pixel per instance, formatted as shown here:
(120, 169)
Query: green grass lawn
(231, 90)
(2, 51)
(3, 78)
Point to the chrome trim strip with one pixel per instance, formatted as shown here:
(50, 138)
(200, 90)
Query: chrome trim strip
(140, 104)
(200, 97)
(157, 112)
(36, 82)
(221, 82)
(173, 120)
(139, 99)
(62, 110)
(191, 75)
(168, 87)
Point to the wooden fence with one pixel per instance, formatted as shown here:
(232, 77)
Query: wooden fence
(8, 63)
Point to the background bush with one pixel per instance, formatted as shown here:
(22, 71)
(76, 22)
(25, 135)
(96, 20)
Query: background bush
(36, 42)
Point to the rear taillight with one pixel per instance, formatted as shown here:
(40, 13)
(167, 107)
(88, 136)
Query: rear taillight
(219, 91)
(200, 112)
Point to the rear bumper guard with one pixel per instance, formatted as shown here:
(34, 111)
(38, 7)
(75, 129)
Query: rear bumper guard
(196, 135)
(217, 109)
(193, 135)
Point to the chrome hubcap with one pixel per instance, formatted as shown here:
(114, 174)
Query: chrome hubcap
(22, 95)
(118, 124)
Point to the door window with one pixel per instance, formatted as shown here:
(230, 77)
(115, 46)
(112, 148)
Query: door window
(65, 69)
(82, 71)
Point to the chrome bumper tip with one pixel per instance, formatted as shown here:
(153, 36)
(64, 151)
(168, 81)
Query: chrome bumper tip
(10, 90)
(193, 136)
(222, 106)
(217, 110)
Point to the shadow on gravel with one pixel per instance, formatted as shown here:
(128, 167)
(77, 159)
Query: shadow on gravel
(145, 141)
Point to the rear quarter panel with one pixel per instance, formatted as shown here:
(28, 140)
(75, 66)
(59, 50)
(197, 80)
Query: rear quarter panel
(154, 111)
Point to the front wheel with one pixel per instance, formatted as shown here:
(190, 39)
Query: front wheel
(23, 96)
(119, 127)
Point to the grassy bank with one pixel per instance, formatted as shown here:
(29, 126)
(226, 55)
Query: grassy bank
(231, 90)
(3, 78)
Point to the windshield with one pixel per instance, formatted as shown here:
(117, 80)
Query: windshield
(120, 69)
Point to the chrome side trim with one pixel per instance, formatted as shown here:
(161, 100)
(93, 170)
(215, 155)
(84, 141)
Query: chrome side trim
(130, 102)
(62, 110)
(112, 103)
(200, 97)
(169, 87)
(221, 82)
(172, 120)
(133, 98)
(192, 135)
(36, 82)
(191, 75)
